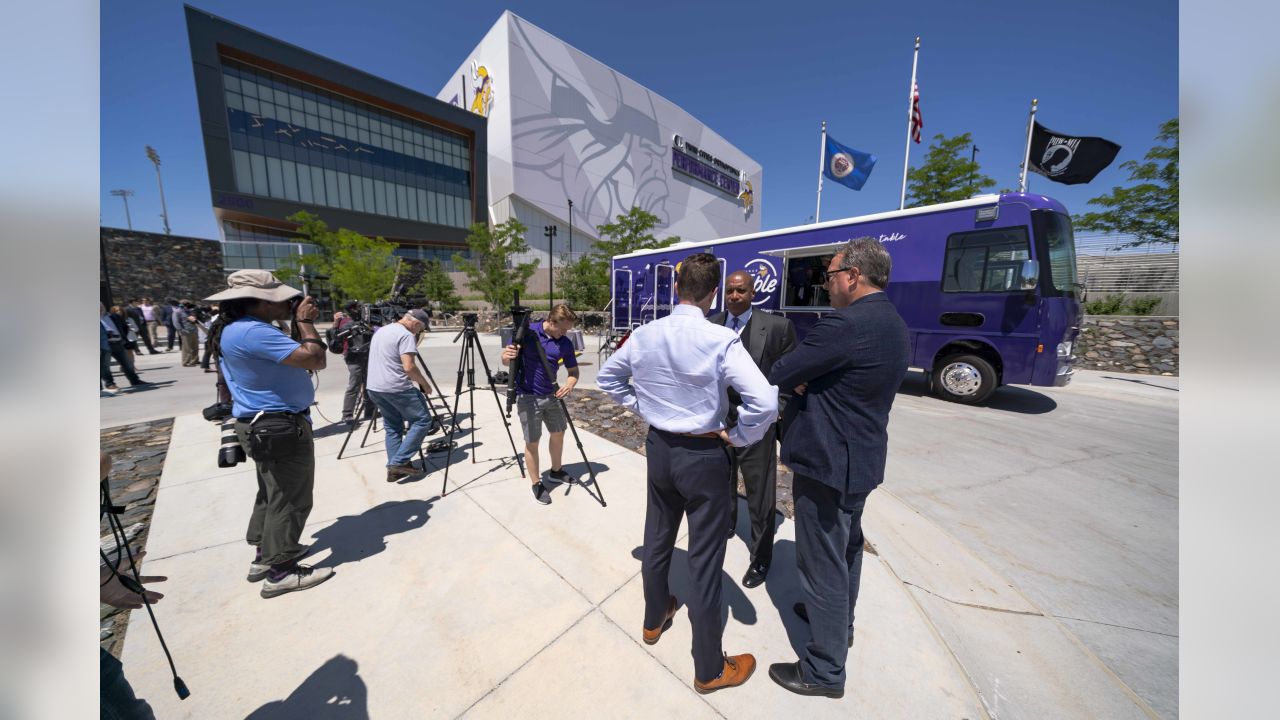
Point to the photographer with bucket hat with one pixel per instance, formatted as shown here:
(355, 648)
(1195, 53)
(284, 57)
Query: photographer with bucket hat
(266, 371)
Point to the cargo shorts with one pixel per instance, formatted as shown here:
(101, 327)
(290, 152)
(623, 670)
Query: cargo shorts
(537, 409)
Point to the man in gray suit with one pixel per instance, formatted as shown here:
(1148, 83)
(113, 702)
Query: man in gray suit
(766, 338)
(845, 374)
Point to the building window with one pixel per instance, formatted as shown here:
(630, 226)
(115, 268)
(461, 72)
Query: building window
(300, 142)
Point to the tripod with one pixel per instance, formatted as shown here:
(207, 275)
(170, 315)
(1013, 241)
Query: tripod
(522, 333)
(467, 364)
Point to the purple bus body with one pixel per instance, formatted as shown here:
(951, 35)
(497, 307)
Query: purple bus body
(1020, 331)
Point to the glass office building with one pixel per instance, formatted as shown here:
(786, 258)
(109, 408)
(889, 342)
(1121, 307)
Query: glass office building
(287, 130)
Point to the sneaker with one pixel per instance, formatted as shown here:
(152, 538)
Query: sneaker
(561, 476)
(541, 494)
(113, 388)
(301, 577)
(258, 570)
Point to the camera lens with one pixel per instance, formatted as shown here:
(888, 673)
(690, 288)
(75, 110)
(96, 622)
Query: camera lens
(230, 453)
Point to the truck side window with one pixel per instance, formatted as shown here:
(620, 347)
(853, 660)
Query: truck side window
(985, 261)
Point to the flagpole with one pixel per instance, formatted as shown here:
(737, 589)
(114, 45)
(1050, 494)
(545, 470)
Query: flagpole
(1026, 157)
(911, 96)
(822, 158)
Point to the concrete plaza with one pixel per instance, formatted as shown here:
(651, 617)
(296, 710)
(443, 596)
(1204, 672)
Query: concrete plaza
(482, 603)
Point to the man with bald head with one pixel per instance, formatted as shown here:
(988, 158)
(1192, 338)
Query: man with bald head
(766, 338)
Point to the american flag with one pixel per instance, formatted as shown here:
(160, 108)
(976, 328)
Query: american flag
(917, 121)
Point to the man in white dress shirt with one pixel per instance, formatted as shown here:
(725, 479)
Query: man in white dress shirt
(680, 368)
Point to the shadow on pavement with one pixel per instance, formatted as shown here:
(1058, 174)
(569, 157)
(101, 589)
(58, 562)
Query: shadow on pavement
(783, 586)
(579, 471)
(1007, 398)
(333, 692)
(154, 385)
(352, 538)
(740, 607)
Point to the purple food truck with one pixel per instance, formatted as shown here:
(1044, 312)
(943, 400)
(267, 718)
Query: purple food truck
(987, 285)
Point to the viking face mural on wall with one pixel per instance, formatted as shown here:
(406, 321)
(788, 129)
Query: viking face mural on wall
(583, 131)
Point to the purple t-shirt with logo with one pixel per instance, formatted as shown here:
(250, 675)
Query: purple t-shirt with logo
(533, 379)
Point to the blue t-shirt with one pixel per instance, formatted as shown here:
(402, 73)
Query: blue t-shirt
(533, 379)
(252, 355)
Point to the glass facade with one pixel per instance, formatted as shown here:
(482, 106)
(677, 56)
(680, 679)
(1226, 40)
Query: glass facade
(257, 247)
(295, 141)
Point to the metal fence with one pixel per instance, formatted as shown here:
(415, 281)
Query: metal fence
(1105, 266)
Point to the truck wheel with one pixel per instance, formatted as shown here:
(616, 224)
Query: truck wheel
(966, 379)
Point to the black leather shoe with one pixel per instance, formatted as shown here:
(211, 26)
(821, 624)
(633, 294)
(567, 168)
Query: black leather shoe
(803, 613)
(788, 676)
(755, 576)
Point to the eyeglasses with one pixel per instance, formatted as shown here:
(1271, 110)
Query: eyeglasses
(828, 274)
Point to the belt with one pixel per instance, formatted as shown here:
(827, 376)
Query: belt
(708, 435)
(250, 418)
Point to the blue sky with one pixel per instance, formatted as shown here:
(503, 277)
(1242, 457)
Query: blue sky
(762, 74)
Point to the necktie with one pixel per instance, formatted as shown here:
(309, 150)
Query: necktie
(735, 323)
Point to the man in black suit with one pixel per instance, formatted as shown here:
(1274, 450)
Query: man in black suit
(766, 338)
(845, 375)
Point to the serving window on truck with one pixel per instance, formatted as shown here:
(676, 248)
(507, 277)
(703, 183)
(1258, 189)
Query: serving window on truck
(986, 261)
(805, 286)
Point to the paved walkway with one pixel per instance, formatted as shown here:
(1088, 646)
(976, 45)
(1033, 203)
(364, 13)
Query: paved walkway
(482, 603)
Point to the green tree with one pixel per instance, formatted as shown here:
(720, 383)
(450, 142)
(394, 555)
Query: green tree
(490, 270)
(437, 286)
(359, 267)
(584, 282)
(629, 233)
(1147, 210)
(948, 173)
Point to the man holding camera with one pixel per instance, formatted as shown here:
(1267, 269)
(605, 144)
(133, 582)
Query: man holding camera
(392, 376)
(356, 355)
(536, 400)
(266, 371)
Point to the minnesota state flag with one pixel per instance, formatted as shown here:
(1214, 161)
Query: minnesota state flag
(847, 166)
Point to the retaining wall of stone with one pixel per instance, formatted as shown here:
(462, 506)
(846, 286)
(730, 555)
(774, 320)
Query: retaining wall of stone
(1147, 345)
(159, 266)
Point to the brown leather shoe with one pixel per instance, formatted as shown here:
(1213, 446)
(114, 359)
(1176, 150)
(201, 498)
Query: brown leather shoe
(651, 636)
(737, 670)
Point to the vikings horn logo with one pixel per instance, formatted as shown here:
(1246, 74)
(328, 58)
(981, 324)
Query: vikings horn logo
(747, 196)
(483, 101)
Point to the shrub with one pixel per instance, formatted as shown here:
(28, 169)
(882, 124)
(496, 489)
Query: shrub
(1144, 305)
(1109, 305)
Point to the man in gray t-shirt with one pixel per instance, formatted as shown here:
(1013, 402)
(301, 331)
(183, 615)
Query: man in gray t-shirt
(393, 374)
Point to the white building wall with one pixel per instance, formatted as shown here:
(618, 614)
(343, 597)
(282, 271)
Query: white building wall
(565, 126)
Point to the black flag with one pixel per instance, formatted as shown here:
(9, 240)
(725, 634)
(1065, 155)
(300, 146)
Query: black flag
(1068, 159)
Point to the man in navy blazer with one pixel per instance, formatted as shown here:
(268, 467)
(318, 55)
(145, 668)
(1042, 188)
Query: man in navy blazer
(845, 375)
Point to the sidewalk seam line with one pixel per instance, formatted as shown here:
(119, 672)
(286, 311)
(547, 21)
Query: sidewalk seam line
(672, 673)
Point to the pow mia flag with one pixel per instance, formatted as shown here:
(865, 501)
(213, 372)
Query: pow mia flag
(1067, 159)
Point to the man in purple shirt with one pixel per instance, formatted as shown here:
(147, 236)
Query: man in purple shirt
(536, 400)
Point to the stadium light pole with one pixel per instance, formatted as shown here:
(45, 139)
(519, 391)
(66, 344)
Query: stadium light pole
(154, 157)
(550, 232)
(124, 195)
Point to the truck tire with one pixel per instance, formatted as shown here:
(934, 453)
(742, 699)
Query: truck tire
(966, 379)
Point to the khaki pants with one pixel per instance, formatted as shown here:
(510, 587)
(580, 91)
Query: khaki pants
(190, 356)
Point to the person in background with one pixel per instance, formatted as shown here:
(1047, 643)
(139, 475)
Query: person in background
(188, 333)
(392, 377)
(357, 360)
(139, 319)
(111, 344)
(169, 317)
(151, 314)
(130, 335)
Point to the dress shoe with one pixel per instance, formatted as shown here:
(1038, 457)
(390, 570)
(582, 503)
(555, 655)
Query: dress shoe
(651, 636)
(755, 576)
(803, 613)
(400, 471)
(737, 670)
(788, 676)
